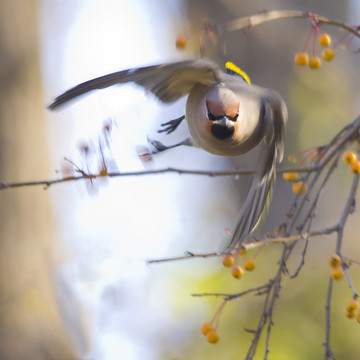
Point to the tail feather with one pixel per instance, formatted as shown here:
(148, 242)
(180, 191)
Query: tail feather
(259, 196)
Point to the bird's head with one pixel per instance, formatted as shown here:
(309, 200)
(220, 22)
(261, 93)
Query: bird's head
(222, 112)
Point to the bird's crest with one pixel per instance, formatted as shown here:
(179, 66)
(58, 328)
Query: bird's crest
(232, 69)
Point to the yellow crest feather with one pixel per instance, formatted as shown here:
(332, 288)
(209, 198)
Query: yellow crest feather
(233, 68)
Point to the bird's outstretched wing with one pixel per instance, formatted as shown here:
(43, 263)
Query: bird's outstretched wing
(168, 82)
(274, 113)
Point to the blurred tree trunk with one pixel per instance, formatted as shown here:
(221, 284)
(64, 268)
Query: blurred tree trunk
(30, 326)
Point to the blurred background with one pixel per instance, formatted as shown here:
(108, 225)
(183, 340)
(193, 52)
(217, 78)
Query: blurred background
(74, 279)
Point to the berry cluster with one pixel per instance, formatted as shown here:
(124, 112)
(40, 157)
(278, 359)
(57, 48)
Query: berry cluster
(298, 186)
(302, 58)
(353, 310)
(209, 328)
(232, 261)
(351, 159)
(336, 265)
(211, 334)
(324, 40)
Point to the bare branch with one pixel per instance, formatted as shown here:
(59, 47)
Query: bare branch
(84, 176)
(254, 20)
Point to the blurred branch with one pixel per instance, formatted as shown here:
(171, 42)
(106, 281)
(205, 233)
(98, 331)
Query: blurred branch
(348, 133)
(247, 22)
(84, 176)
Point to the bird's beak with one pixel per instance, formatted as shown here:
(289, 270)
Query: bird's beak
(223, 121)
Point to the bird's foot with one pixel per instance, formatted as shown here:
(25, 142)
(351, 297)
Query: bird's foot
(171, 125)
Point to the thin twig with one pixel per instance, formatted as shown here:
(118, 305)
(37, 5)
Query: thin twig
(259, 290)
(250, 245)
(327, 320)
(351, 286)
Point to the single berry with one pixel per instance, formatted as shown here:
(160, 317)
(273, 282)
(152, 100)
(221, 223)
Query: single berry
(325, 40)
(212, 337)
(334, 260)
(350, 158)
(180, 42)
(299, 187)
(206, 328)
(337, 273)
(249, 264)
(301, 58)
(352, 305)
(350, 314)
(227, 260)
(355, 168)
(328, 54)
(358, 318)
(315, 62)
(290, 176)
(242, 251)
(237, 272)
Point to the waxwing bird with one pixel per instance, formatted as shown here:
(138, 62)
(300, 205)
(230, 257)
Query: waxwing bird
(226, 115)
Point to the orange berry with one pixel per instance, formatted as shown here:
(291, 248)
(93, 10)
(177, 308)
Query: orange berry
(206, 328)
(334, 260)
(290, 176)
(227, 260)
(299, 187)
(237, 272)
(350, 158)
(212, 337)
(358, 318)
(352, 305)
(325, 40)
(249, 264)
(328, 54)
(337, 273)
(350, 314)
(242, 251)
(301, 58)
(180, 42)
(355, 168)
(315, 62)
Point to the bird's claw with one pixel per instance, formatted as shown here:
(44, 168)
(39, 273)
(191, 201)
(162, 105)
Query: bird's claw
(171, 125)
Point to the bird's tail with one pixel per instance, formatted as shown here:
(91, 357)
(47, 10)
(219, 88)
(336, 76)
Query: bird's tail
(257, 201)
(259, 196)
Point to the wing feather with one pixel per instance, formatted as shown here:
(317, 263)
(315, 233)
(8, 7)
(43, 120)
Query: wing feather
(168, 82)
